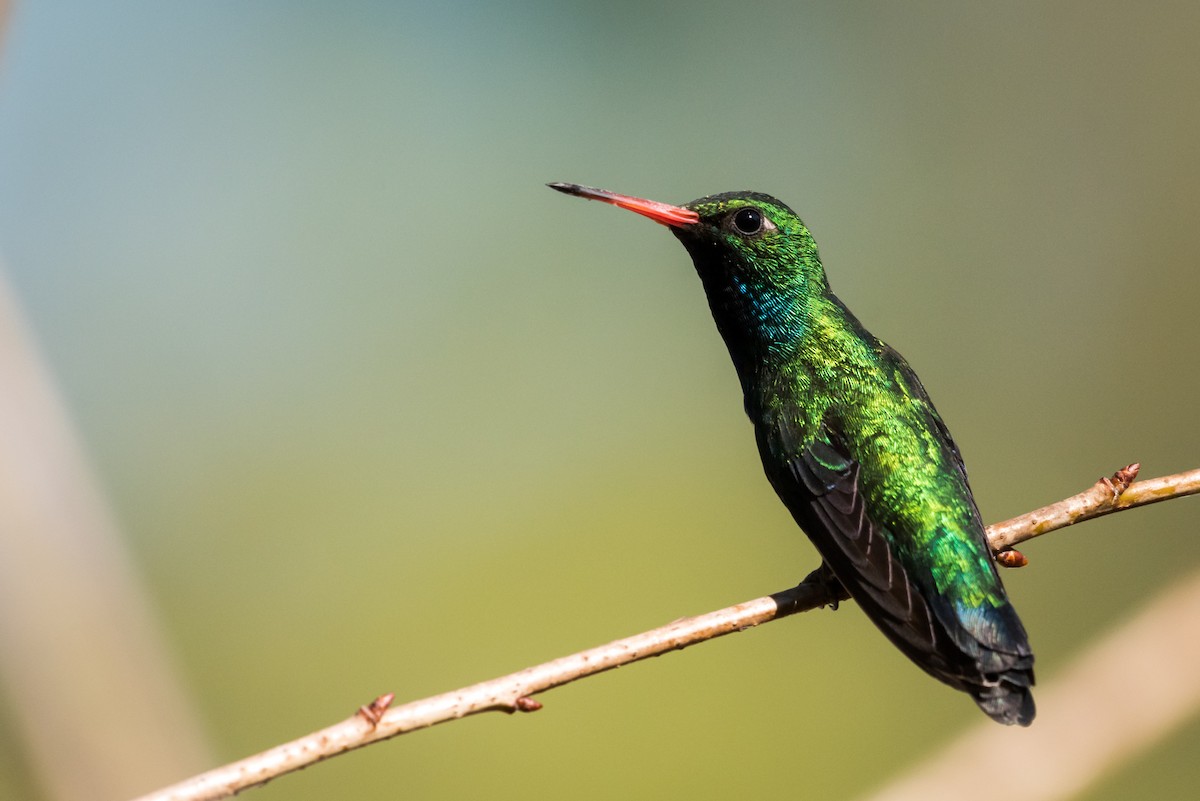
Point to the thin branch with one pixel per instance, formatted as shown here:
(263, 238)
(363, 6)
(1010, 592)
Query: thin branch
(1106, 496)
(511, 693)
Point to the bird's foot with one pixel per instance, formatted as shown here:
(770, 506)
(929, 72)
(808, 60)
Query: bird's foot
(823, 576)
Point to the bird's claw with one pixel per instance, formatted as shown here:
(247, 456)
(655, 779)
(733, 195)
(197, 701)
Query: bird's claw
(823, 576)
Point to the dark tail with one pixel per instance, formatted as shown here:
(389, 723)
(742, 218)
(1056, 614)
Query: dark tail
(1009, 701)
(998, 648)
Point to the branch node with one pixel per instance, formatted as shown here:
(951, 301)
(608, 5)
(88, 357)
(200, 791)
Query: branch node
(372, 713)
(1121, 480)
(1011, 558)
(527, 704)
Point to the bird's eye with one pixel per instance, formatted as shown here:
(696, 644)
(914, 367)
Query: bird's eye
(748, 221)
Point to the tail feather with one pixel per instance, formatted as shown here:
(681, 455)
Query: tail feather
(1008, 701)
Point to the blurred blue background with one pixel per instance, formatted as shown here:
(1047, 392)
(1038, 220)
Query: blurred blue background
(378, 411)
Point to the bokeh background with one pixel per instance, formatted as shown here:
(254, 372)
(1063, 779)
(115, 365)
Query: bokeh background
(375, 410)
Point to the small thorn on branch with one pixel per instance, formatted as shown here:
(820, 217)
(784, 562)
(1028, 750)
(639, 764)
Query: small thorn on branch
(373, 712)
(527, 704)
(1011, 558)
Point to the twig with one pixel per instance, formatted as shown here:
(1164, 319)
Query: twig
(1106, 496)
(512, 693)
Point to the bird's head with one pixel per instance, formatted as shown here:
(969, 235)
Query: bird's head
(745, 238)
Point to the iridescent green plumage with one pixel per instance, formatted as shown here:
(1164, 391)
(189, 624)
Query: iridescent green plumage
(853, 446)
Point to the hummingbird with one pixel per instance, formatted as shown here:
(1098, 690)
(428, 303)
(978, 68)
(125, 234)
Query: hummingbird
(853, 446)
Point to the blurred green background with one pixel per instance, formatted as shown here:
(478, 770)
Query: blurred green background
(377, 411)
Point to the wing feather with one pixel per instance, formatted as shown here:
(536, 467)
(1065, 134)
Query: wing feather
(985, 655)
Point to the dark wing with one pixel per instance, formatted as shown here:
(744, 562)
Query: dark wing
(820, 488)
(986, 656)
